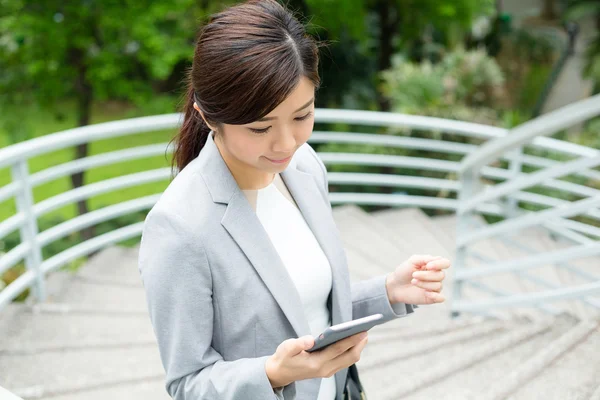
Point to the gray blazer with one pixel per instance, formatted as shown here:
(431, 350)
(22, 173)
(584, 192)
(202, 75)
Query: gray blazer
(219, 297)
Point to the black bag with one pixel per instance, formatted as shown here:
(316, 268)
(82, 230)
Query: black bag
(353, 389)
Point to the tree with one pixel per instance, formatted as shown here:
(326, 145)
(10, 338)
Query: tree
(388, 26)
(92, 50)
(577, 10)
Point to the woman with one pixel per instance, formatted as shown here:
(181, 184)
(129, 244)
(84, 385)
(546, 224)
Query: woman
(240, 258)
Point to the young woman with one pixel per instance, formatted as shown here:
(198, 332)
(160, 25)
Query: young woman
(240, 258)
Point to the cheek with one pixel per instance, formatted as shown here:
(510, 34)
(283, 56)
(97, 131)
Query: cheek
(250, 150)
(306, 131)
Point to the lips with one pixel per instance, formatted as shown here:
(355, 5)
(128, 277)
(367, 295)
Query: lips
(279, 160)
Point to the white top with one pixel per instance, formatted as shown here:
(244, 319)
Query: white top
(301, 254)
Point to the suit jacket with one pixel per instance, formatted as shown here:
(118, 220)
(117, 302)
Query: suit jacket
(219, 297)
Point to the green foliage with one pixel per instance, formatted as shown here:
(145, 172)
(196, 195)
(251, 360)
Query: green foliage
(464, 85)
(576, 10)
(53, 50)
(413, 17)
(527, 58)
(534, 47)
(356, 32)
(535, 79)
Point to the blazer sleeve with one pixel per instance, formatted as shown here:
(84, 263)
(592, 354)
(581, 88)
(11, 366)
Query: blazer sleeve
(177, 280)
(368, 296)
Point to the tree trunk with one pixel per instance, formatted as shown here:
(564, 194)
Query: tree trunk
(549, 9)
(388, 22)
(84, 110)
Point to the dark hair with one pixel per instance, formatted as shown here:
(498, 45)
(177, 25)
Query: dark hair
(247, 60)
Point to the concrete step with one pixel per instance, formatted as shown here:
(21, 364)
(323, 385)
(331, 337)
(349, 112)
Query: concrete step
(150, 389)
(407, 328)
(48, 374)
(589, 266)
(115, 263)
(447, 240)
(50, 330)
(371, 240)
(514, 283)
(414, 228)
(506, 283)
(594, 396)
(360, 267)
(538, 241)
(384, 353)
(492, 370)
(447, 224)
(407, 376)
(568, 368)
(97, 294)
(490, 250)
(367, 236)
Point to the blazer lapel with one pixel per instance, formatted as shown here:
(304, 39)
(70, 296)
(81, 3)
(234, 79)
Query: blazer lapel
(245, 228)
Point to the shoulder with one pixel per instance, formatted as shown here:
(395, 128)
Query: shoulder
(183, 203)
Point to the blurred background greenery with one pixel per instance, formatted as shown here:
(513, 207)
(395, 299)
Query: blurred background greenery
(70, 64)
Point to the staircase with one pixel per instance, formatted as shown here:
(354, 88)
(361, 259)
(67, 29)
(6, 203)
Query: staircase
(93, 339)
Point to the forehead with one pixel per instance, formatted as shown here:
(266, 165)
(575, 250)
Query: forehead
(302, 93)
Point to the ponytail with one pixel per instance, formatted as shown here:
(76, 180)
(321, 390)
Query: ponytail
(192, 135)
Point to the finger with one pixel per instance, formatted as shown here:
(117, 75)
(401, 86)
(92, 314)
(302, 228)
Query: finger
(350, 356)
(442, 263)
(435, 297)
(433, 286)
(429, 276)
(295, 346)
(335, 349)
(421, 259)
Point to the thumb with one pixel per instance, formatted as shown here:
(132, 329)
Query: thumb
(293, 347)
(305, 342)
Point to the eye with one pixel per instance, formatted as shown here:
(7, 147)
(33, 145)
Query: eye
(304, 117)
(260, 131)
(265, 130)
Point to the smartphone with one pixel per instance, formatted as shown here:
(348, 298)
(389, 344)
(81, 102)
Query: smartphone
(345, 329)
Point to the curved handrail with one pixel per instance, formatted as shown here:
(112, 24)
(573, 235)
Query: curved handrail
(16, 156)
(554, 219)
(85, 134)
(545, 125)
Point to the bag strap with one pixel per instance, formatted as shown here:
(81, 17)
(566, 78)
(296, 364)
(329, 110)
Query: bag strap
(353, 372)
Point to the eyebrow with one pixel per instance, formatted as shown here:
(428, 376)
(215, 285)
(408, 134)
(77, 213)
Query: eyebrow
(271, 118)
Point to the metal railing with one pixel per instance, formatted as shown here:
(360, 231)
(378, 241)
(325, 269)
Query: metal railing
(459, 179)
(554, 219)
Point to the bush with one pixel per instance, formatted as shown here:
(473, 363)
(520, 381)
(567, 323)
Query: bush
(465, 85)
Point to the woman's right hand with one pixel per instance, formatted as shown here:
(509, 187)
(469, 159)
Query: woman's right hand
(292, 363)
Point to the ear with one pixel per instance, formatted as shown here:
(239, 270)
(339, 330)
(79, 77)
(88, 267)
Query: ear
(202, 115)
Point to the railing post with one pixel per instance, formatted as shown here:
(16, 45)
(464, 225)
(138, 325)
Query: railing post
(469, 186)
(515, 167)
(29, 230)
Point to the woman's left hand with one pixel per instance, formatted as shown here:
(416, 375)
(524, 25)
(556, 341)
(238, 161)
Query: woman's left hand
(418, 280)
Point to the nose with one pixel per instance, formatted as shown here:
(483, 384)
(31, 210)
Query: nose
(285, 144)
